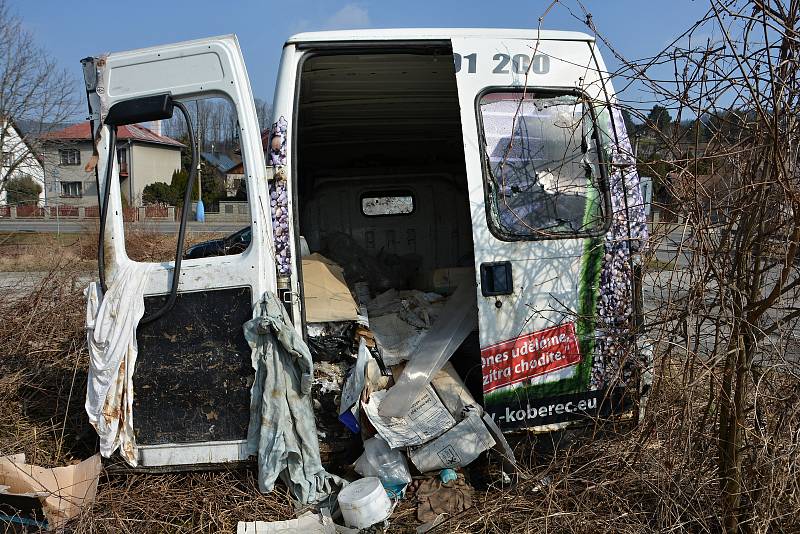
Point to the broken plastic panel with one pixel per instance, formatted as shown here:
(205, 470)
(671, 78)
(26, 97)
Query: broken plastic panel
(456, 321)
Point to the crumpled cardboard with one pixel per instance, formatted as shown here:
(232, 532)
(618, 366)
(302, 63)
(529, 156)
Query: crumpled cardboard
(452, 391)
(325, 291)
(62, 491)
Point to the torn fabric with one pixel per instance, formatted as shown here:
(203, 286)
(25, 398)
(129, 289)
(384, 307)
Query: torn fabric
(111, 321)
(282, 431)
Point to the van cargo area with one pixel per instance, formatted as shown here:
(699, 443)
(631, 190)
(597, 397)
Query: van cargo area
(381, 185)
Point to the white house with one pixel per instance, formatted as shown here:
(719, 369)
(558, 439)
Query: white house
(145, 156)
(18, 160)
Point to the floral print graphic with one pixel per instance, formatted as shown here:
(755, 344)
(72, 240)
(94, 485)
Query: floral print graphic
(278, 199)
(615, 307)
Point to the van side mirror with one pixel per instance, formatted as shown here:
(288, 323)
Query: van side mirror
(144, 109)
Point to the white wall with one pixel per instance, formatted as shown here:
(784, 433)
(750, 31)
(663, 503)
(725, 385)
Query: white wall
(148, 164)
(23, 161)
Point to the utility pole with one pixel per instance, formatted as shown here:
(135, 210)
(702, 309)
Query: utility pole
(200, 212)
(199, 159)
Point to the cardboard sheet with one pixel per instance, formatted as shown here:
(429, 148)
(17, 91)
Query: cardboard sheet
(445, 280)
(325, 291)
(452, 391)
(61, 490)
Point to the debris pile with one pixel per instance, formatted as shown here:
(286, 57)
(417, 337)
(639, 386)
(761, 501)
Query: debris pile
(398, 395)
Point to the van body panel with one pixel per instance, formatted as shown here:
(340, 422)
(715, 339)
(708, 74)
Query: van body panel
(538, 342)
(433, 34)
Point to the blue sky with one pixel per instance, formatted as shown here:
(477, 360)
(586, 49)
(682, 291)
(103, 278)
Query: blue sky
(70, 30)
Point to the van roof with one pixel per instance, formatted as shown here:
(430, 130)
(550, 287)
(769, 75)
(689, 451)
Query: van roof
(421, 34)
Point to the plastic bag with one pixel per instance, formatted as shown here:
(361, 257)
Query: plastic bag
(380, 461)
(457, 319)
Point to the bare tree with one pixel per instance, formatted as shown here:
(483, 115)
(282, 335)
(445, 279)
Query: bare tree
(35, 94)
(216, 123)
(264, 112)
(727, 328)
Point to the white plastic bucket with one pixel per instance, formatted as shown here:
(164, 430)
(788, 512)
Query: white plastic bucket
(364, 503)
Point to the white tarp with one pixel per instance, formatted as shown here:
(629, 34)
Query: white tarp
(111, 321)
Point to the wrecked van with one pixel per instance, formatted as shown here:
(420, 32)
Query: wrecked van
(474, 192)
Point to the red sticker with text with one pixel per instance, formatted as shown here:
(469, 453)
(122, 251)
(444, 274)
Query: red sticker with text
(529, 356)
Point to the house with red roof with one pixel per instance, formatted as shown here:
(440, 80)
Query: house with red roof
(145, 157)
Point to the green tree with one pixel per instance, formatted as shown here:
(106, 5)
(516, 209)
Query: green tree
(23, 190)
(213, 189)
(158, 192)
(178, 187)
(659, 119)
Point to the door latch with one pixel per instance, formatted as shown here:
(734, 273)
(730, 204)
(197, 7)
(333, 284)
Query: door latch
(496, 278)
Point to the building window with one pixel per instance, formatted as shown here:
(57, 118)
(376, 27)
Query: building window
(70, 156)
(7, 158)
(71, 189)
(122, 159)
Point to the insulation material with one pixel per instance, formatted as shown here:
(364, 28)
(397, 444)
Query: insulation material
(400, 320)
(111, 321)
(325, 292)
(62, 491)
(457, 319)
(282, 432)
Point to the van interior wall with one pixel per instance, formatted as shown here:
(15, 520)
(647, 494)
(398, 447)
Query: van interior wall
(378, 124)
(373, 123)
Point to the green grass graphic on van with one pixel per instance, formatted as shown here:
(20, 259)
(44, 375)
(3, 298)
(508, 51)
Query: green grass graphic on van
(588, 292)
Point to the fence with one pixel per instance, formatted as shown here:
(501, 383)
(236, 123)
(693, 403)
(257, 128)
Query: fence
(84, 212)
(233, 211)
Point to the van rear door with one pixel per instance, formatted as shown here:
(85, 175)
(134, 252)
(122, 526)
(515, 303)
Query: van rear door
(540, 208)
(193, 372)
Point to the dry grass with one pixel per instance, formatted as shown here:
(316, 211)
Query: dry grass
(659, 476)
(39, 252)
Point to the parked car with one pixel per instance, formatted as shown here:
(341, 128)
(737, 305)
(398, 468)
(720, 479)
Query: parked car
(235, 243)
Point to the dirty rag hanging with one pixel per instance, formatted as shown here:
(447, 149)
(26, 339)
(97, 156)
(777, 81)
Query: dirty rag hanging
(282, 431)
(111, 321)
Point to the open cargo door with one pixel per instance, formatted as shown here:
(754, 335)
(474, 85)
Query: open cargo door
(535, 118)
(193, 373)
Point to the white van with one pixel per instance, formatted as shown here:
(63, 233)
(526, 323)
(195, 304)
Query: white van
(418, 159)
